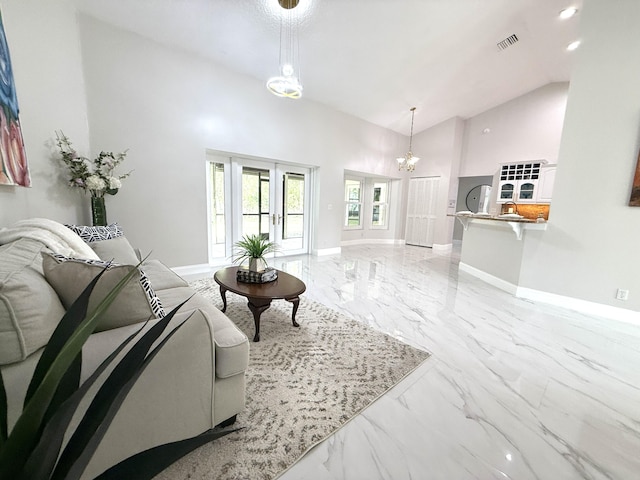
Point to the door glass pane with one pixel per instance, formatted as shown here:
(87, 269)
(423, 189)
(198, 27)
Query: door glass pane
(293, 208)
(526, 191)
(217, 210)
(255, 202)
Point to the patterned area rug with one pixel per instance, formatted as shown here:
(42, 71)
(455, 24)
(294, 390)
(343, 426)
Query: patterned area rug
(302, 385)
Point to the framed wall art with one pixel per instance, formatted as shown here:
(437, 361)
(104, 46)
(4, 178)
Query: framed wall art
(13, 159)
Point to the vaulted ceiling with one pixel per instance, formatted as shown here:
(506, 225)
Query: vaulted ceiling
(374, 59)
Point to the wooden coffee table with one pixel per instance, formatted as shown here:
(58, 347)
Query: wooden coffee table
(259, 295)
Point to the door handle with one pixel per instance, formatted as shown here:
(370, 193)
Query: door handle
(279, 219)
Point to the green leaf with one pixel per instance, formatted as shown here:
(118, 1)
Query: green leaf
(3, 413)
(25, 433)
(72, 318)
(108, 399)
(44, 456)
(145, 465)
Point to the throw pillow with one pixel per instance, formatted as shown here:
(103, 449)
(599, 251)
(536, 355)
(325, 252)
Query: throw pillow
(137, 302)
(117, 249)
(30, 310)
(94, 234)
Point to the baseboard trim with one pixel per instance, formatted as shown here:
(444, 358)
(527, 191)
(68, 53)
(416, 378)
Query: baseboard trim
(187, 270)
(320, 252)
(571, 303)
(582, 306)
(372, 241)
(490, 279)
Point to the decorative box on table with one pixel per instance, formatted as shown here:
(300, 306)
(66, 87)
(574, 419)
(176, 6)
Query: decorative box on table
(263, 276)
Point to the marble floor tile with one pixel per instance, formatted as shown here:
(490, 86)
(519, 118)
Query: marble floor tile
(514, 389)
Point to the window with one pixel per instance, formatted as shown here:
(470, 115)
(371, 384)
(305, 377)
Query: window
(353, 203)
(380, 204)
(217, 206)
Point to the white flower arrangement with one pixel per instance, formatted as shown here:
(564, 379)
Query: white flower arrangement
(95, 176)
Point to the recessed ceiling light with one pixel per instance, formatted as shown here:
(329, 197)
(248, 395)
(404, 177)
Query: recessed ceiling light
(573, 45)
(568, 12)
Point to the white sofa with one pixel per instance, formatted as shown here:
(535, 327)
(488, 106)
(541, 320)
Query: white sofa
(196, 382)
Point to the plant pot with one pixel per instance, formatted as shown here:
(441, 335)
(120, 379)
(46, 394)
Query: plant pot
(257, 264)
(98, 211)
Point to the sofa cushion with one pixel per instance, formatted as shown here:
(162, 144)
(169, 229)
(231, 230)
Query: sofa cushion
(137, 302)
(116, 249)
(29, 307)
(231, 345)
(96, 233)
(161, 276)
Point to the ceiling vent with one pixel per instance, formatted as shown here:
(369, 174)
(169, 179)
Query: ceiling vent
(507, 42)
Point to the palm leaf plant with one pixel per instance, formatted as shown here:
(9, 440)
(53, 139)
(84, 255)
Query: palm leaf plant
(253, 248)
(33, 450)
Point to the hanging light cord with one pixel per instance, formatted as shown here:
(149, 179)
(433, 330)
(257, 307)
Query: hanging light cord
(413, 112)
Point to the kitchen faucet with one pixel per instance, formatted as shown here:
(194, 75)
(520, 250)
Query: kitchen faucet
(515, 206)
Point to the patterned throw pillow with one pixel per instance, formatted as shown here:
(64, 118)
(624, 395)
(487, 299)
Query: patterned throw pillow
(137, 302)
(95, 234)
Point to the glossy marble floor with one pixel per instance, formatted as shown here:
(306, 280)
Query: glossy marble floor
(514, 389)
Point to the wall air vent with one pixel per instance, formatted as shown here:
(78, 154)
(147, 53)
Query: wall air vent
(507, 42)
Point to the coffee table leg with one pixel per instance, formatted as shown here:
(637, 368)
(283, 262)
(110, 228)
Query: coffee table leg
(295, 302)
(257, 306)
(223, 294)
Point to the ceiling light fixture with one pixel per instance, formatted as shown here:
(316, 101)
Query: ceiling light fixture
(573, 45)
(287, 84)
(408, 162)
(568, 13)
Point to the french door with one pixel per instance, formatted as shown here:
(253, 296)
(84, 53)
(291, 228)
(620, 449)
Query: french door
(264, 198)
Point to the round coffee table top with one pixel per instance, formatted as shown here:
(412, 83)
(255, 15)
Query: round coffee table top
(285, 286)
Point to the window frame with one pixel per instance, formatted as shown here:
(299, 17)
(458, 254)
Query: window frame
(385, 203)
(348, 203)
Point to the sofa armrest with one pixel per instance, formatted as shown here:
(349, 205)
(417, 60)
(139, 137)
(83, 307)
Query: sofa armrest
(171, 400)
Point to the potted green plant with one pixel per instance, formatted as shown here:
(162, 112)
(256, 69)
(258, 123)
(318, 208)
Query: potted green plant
(253, 248)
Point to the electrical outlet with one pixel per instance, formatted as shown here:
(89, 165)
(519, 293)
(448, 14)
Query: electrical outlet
(622, 294)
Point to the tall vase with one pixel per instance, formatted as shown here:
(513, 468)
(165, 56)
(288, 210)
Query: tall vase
(98, 211)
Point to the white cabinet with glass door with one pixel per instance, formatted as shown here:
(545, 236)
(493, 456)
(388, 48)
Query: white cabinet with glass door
(519, 181)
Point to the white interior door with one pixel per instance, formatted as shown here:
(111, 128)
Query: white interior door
(421, 211)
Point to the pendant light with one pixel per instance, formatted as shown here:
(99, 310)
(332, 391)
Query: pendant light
(287, 84)
(408, 162)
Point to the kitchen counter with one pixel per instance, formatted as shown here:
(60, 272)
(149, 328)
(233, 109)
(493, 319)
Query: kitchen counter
(518, 225)
(491, 251)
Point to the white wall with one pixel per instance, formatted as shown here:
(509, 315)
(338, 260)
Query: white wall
(525, 128)
(591, 245)
(45, 54)
(168, 107)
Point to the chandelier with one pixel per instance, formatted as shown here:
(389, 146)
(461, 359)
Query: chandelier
(287, 84)
(408, 162)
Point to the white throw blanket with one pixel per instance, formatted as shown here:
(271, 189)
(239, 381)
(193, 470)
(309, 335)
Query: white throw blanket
(54, 235)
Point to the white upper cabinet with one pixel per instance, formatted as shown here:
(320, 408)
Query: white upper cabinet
(519, 181)
(545, 184)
